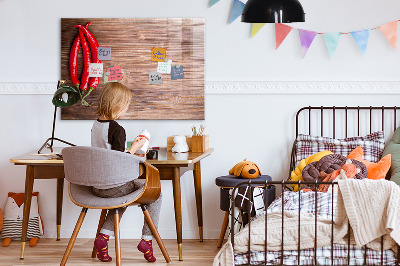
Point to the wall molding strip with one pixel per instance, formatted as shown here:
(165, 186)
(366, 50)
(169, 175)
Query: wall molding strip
(244, 87)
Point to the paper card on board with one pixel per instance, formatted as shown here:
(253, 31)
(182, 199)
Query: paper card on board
(158, 54)
(104, 53)
(115, 73)
(177, 72)
(164, 67)
(155, 77)
(95, 70)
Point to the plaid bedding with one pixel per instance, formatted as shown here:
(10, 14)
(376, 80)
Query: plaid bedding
(322, 207)
(372, 145)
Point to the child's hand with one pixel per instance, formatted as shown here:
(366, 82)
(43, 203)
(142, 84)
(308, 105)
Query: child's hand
(137, 144)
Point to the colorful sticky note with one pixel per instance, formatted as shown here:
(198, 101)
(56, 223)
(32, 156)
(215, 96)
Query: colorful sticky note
(155, 77)
(106, 74)
(104, 53)
(95, 70)
(177, 72)
(164, 67)
(158, 54)
(115, 73)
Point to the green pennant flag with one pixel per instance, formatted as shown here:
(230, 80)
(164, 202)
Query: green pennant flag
(213, 2)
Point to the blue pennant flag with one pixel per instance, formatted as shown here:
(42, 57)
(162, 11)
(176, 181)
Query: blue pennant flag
(361, 37)
(332, 41)
(213, 2)
(237, 9)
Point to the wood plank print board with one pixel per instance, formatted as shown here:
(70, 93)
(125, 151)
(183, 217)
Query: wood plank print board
(131, 41)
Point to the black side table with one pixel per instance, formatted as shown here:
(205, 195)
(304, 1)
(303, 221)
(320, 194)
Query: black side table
(226, 183)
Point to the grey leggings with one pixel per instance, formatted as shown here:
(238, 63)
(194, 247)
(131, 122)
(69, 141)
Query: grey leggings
(154, 208)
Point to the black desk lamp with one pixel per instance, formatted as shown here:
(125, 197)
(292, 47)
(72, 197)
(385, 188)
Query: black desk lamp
(59, 100)
(273, 11)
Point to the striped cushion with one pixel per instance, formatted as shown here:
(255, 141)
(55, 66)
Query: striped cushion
(372, 145)
(13, 228)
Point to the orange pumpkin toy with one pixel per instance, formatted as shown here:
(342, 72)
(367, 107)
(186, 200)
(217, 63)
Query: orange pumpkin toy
(245, 169)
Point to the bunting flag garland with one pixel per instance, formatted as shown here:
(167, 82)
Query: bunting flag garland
(306, 39)
(237, 9)
(361, 37)
(389, 30)
(256, 28)
(332, 41)
(281, 31)
(213, 2)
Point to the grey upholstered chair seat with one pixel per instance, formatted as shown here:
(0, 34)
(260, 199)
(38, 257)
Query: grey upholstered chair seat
(83, 196)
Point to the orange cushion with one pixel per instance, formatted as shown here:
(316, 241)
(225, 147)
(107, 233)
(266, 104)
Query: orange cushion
(375, 170)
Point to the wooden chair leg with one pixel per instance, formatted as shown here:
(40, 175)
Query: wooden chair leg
(117, 238)
(154, 230)
(101, 222)
(73, 237)
(223, 229)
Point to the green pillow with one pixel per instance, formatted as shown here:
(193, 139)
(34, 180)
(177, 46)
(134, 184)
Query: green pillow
(393, 148)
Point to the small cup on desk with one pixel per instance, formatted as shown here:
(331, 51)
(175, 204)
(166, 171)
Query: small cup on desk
(200, 143)
(152, 155)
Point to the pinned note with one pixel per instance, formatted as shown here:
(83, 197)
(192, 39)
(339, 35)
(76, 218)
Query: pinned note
(158, 54)
(106, 74)
(177, 72)
(164, 67)
(115, 73)
(95, 70)
(104, 53)
(155, 77)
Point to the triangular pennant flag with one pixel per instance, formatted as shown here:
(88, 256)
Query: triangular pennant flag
(389, 30)
(332, 41)
(361, 37)
(237, 9)
(281, 31)
(213, 2)
(306, 39)
(256, 28)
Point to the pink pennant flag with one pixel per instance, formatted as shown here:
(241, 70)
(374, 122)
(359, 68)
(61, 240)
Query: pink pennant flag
(389, 30)
(281, 31)
(306, 39)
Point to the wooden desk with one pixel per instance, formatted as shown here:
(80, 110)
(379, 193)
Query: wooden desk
(168, 163)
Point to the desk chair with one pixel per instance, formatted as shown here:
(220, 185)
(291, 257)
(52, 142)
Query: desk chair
(85, 167)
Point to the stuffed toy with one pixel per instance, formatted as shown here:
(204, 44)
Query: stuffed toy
(296, 174)
(180, 144)
(245, 169)
(13, 215)
(375, 170)
(348, 170)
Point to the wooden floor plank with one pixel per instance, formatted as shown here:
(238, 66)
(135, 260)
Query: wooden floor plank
(49, 252)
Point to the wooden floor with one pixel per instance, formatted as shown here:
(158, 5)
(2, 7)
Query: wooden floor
(50, 252)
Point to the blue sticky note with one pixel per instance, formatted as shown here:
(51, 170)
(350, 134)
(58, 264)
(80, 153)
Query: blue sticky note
(177, 72)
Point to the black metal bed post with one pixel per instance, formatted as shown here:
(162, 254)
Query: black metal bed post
(249, 220)
(298, 238)
(266, 221)
(333, 192)
(315, 221)
(283, 211)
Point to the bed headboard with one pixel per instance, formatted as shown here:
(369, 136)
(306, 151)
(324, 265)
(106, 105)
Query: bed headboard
(344, 121)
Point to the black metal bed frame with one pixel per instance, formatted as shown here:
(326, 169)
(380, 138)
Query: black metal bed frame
(283, 184)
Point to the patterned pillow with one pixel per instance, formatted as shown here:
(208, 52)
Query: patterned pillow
(372, 144)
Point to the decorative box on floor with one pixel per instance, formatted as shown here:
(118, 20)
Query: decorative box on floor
(245, 206)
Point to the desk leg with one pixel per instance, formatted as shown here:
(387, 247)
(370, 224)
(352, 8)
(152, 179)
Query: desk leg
(199, 204)
(176, 182)
(27, 206)
(60, 190)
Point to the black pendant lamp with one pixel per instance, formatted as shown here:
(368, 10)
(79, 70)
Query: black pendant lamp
(273, 11)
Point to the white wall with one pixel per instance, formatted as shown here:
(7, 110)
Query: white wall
(259, 127)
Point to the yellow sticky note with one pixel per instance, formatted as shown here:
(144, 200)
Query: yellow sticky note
(158, 54)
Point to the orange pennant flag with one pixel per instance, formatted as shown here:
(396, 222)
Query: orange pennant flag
(389, 30)
(281, 31)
